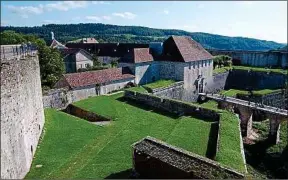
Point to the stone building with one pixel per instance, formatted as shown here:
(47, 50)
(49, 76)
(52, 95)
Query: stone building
(179, 58)
(92, 83)
(76, 59)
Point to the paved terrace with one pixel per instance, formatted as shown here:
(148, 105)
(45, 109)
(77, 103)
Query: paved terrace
(252, 105)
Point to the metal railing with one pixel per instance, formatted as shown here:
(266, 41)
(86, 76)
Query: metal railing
(17, 51)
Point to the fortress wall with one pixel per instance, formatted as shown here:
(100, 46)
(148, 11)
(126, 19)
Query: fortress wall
(217, 82)
(256, 58)
(243, 79)
(22, 116)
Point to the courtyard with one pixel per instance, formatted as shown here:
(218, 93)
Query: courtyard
(75, 148)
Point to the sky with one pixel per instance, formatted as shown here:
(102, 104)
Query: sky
(266, 20)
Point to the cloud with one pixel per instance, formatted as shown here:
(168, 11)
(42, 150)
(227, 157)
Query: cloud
(93, 18)
(25, 11)
(75, 18)
(51, 21)
(101, 2)
(106, 17)
(65, 5)
(4, 23)
(166, 12)
(125, 15)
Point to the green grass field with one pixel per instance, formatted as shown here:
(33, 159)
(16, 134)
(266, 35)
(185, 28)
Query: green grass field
(158, 84)
(257, 69)
(234, 92)
(75, 148)
(260, 69)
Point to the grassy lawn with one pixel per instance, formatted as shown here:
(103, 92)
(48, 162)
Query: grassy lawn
(229, 152)
(234, 92)
(221, 70)
(137, 89)
(74, 148)
(261, 69)
(257, 69)
(158, 84)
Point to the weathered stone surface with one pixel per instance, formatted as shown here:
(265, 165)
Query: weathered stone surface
(22, 116)
(153, 158)
(173, 106)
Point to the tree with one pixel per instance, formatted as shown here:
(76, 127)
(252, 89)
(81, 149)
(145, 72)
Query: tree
(51, 64)
(114, 63)
(96, 61)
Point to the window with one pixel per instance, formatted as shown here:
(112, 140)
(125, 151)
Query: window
(190, 65)
(205, 63)
(81, 66)
(86, 65)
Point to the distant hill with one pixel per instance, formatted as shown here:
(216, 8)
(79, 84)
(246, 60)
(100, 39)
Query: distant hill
(137, 34)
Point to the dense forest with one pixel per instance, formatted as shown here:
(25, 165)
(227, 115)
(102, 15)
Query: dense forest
(137, 34)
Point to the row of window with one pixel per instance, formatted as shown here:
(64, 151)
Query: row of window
(198, 64)
(86, 65)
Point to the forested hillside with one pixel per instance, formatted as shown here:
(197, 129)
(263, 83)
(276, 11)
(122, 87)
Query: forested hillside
(137, 34)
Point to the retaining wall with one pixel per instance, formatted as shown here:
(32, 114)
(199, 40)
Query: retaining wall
(22, 115)
(84, 114)
(172, 106)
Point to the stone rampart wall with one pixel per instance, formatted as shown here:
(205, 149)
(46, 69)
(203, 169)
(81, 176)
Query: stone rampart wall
(22, 115)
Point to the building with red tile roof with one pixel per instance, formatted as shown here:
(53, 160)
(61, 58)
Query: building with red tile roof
(98, 77)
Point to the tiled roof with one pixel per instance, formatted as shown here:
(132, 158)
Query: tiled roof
(142, 55)
(189, 49)
(137, 55)
(97, 77)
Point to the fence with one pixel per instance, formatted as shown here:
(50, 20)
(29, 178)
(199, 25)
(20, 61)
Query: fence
(17, 51)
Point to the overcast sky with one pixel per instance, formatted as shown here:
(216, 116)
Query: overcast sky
(256, 19)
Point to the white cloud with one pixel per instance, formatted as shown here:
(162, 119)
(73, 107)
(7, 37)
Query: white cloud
(75, 18)
(25, 11)
(166, 12)
(51, 21)
(4, 23)
(101, 2)
(106, 17)
(93, 18)
(125, 15)
(65, 5)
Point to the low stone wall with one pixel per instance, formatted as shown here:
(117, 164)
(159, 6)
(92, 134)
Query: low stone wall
(84, 114)
(276, 99)
(172, 106)
(174, 91)
(153, 158)
(60, 98)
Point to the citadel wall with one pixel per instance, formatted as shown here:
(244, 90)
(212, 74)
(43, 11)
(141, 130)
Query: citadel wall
(22, 115)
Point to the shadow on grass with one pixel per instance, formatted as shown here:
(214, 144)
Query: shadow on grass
(126, 174)
(212, 142)
(272, 164)
(162, 112)
(148, 108)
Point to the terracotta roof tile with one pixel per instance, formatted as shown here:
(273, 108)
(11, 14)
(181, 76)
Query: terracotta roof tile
(142, 55)
(97, 77)
(190, 50)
